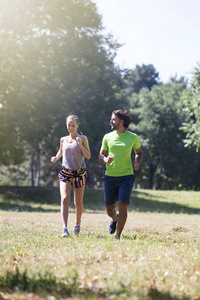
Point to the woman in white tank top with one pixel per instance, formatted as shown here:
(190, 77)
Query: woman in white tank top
(74, 148)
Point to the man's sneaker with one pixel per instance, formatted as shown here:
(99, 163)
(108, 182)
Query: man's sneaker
(76, 229)
(65, 232)
(112, 227)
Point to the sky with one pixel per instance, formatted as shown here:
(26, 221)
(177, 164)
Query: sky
(164, 33)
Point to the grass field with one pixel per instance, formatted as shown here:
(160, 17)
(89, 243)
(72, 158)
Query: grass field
(157, 258)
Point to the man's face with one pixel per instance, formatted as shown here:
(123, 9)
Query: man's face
(115, 122)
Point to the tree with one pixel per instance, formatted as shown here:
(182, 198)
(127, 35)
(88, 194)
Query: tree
(167, 164)
(192, 109)
(141, 77)
(54, 62)
(183, 80)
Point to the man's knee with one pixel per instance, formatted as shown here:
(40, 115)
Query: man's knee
(122, 206)
(110, 209)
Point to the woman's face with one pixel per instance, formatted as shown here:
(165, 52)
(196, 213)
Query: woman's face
(72, 126)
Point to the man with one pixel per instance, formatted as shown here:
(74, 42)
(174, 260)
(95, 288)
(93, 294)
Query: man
(115, 152)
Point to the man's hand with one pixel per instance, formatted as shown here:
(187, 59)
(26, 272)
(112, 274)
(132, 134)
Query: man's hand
(136, 166)
(138, 158)
(109, 159)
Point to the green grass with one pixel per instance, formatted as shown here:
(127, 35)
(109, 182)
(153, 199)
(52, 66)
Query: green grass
(157, 258)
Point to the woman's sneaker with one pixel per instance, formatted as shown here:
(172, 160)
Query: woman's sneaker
(77, 229)
(65, 232)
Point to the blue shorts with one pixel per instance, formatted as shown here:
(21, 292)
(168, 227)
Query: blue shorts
(118, 188)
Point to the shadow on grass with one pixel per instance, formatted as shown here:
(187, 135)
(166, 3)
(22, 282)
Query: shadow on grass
(13, 198)
(47, 283)
(26, 208)
(143, 202)
(155, 294)
(42, 195)
(28, 199)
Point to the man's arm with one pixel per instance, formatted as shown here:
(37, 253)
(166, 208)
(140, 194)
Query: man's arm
(138, 158)
(103, 158)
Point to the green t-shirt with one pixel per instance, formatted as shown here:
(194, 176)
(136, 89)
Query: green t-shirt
(120, 145)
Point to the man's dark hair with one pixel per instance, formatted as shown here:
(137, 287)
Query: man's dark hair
(123, 115)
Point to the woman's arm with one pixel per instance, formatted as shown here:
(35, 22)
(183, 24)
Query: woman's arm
(59, 153)
(84, 145)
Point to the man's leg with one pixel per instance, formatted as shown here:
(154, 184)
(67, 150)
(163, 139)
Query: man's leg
(122, 217)
(111, 211)
(111, 195)
(125, 189)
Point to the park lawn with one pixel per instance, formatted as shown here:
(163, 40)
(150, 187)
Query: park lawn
(156, 258)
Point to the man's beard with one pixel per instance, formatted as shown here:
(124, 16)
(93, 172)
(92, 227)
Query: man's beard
(115, 127)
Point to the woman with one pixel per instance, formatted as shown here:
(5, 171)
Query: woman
(74, 148)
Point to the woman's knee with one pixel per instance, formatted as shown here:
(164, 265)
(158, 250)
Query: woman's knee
(78, 203)
(65, 200)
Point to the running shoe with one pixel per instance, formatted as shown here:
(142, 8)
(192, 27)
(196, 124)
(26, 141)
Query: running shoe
(65, 232)
(112, 227)
(77, 229)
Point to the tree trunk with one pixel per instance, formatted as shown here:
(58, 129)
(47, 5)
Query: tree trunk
(37, 168)
(152, 170)
(34, 171)
(31, 175)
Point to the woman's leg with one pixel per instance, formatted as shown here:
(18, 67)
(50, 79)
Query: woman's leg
(78, 202)
(65, 190)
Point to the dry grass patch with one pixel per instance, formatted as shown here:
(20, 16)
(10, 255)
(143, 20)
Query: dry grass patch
(156, 258)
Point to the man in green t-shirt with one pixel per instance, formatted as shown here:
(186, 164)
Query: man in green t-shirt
(115, 152)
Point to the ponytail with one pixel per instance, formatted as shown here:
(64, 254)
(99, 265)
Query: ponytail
(79, 132)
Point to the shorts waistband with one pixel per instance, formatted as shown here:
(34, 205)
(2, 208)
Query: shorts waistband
(73, 172)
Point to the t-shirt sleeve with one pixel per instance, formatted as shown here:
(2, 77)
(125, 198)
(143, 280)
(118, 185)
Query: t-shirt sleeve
(104, 145)
(136, 144)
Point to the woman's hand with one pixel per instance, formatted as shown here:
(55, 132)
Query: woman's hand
(53, 159)
(84, 145)
(59, 153)
(79, 140)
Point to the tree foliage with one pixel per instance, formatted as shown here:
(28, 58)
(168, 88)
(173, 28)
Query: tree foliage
(160, 116)
(192, 108)
(142, 77)
(54, 62)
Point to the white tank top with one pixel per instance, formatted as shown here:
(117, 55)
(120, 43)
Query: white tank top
(73, 157)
